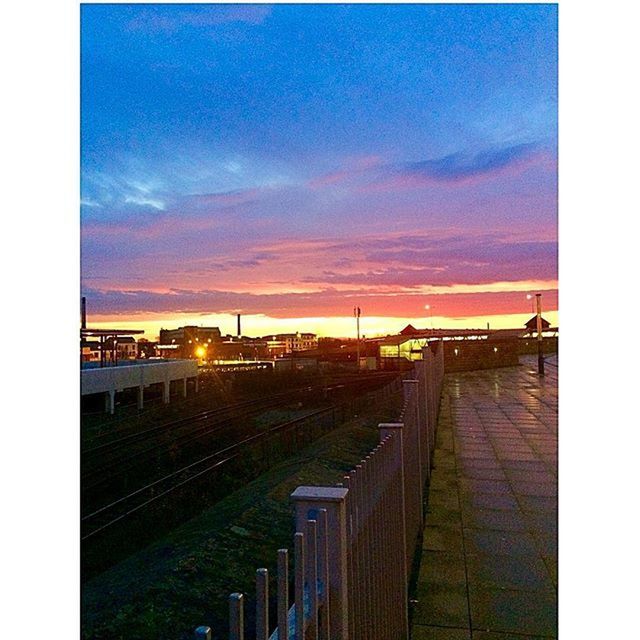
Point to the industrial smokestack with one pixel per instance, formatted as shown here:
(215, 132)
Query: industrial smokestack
(239, 331)
(83, 312)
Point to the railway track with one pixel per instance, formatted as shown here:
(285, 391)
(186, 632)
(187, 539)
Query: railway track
(123, 518)
(110, 467)
(160, 455)
(117, 510)
(118, 456)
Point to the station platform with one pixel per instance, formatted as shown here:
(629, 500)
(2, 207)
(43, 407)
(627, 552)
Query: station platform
(489, 557)
(138, 375)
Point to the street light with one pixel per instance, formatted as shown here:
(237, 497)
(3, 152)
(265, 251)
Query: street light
(530, 297)
(356, 313)
(539, 330)
(428, 308)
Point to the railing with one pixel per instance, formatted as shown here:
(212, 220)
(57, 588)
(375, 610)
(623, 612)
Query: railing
(355, 542)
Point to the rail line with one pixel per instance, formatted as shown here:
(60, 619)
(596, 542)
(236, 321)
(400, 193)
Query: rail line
(112, 474)
(133, 502)
(101, 460)
(197, 428)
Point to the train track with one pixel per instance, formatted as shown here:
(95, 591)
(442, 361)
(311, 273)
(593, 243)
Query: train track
(102, 458)
(110, 462)
(180, 434)
(112, 513)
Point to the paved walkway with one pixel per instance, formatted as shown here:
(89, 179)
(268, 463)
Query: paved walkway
(489, 563)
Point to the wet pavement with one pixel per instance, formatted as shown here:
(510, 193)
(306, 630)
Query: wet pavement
(489, 559)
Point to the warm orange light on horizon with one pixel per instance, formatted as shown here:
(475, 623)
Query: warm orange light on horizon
(337, 326)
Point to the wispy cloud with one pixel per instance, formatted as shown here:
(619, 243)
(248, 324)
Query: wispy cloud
(324, 273)
(353, 168)
(462, 167)
(201, 17)
(324, 303)
(225, 198)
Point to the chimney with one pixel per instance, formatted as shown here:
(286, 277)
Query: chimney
(83, 313)
(239, 332)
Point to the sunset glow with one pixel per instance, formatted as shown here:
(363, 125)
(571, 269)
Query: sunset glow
(287, 162)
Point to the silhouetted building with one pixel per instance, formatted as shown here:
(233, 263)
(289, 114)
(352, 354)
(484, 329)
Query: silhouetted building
(532, 325)
(146, 349)
(187, 342)
(113, 345)
(123, 347)
(90, 350)
(284, 343)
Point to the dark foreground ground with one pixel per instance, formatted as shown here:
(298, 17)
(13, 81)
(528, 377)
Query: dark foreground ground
(489, 559)
(184, 579)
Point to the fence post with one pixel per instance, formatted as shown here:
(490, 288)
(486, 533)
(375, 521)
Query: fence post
(283, 594)
(423, 412)
(412, 416)
(236, 616)
(299, 567)
(432, 395)
(308, 501)
(427, 357)
(399, 546)
(262, 604)
(323, 573)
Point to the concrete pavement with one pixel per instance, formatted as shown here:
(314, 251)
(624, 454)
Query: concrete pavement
(489, 558)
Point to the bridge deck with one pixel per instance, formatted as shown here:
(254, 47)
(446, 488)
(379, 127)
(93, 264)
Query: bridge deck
(489, 559)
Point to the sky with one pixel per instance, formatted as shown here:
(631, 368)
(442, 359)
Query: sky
(290, 162)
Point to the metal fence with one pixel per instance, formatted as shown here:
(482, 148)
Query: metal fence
(355, 542)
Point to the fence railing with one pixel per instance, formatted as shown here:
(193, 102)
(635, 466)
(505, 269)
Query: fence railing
(355, 542)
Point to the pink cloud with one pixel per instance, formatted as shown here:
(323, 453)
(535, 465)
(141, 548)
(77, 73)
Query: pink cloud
(354, 168)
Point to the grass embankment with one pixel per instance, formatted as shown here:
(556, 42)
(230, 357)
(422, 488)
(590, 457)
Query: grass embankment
(184, 579)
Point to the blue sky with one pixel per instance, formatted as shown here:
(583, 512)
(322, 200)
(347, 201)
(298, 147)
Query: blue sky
(262, 158)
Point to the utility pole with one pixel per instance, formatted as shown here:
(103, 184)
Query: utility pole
(356, 313)
(539, 330)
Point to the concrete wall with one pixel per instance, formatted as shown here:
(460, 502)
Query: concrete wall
(479, 354)
(530, 345)
(113, 379)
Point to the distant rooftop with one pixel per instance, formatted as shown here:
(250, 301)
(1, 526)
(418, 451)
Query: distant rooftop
(109, 332)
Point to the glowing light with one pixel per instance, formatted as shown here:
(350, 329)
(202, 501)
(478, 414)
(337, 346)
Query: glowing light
(456, 351)
(495, 349)
(200, 352)
(333, 326)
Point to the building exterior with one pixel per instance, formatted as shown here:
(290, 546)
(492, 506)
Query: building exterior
(126, 348)
(146, 349)
(111, 346)
(284, 343)
(239, 348)
(189, 342)
(90, 350)
(408, 344)
(532, 324)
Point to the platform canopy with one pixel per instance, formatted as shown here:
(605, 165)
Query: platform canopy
(88, 333)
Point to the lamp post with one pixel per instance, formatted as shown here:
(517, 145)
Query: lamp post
(356, 313)
(530, 297)
(539, 330)
(428, 308)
